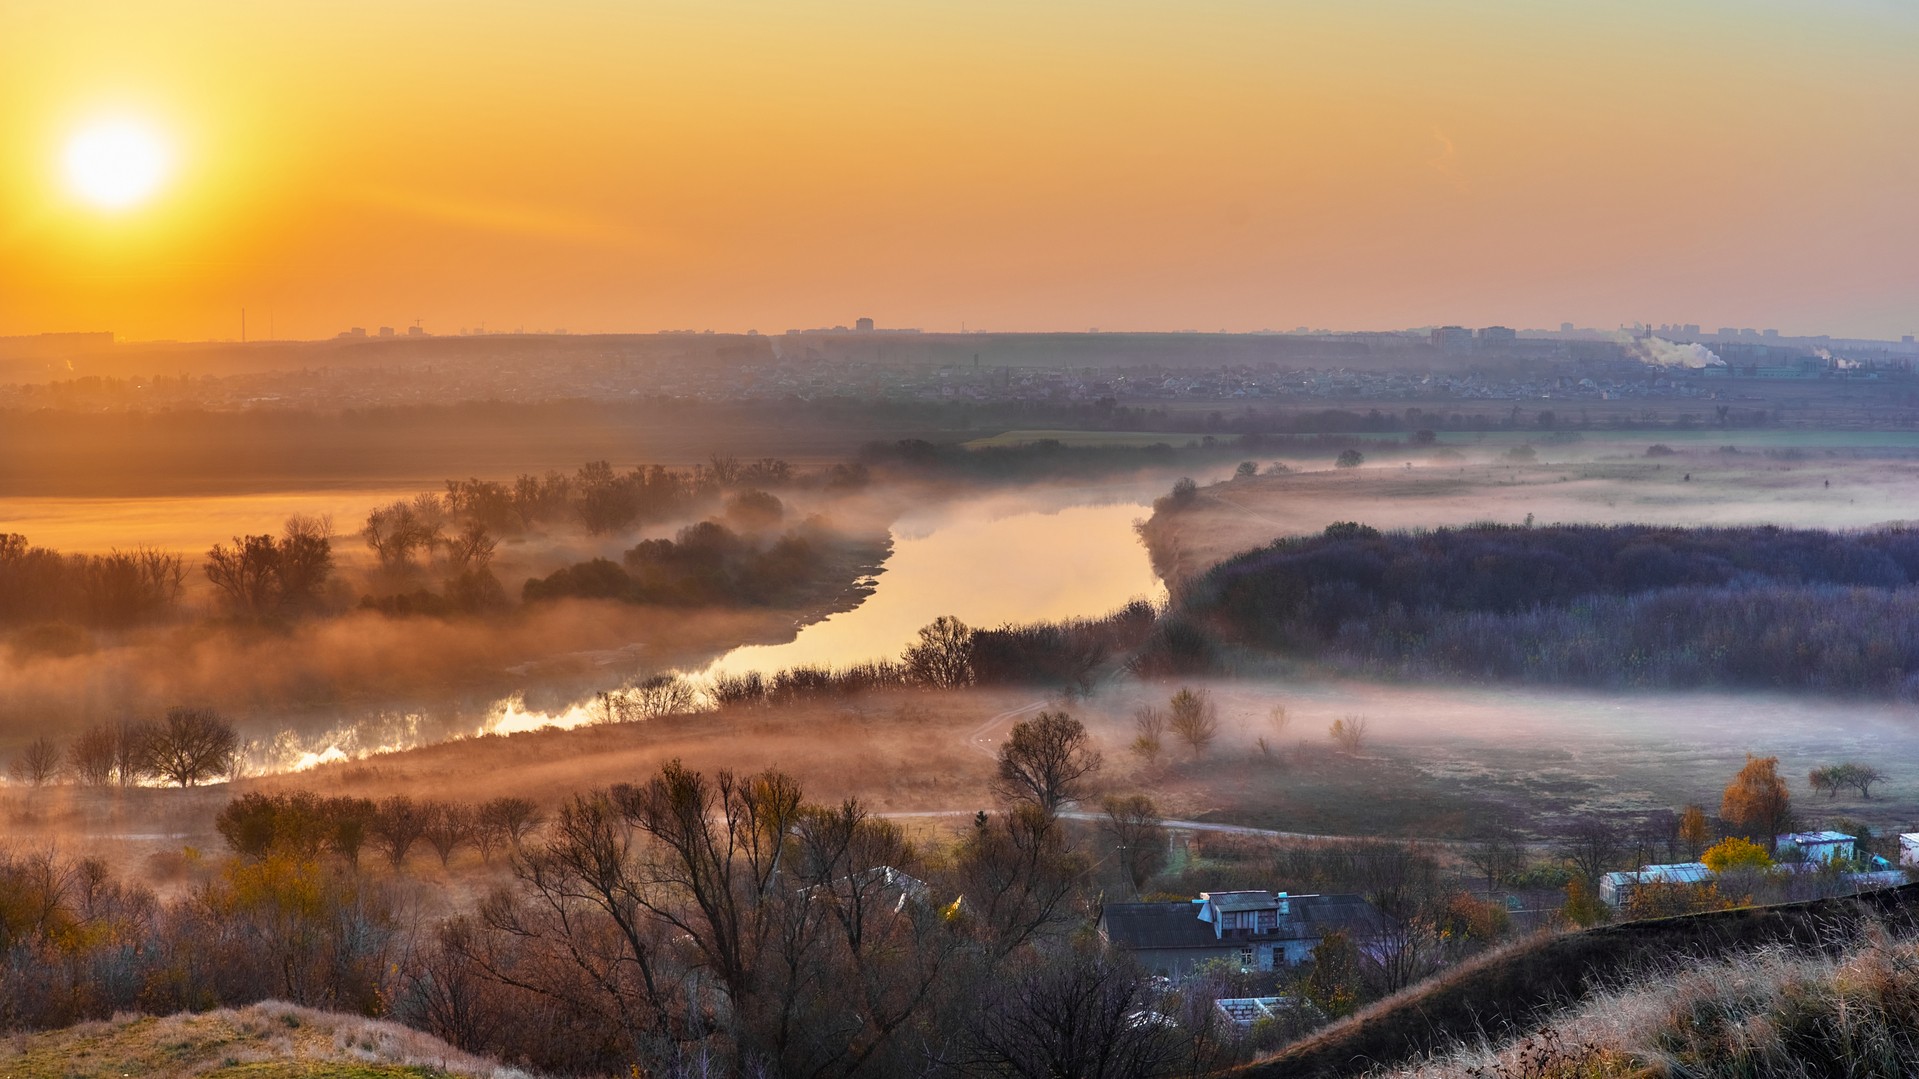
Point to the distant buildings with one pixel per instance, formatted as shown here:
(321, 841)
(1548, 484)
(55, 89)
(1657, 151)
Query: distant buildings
(1815, 846)
(1453, 339)
(864, 325)
(1258, 930)
(1497, 336)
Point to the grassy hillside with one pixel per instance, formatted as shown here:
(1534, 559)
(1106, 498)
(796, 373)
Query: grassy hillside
(1504, 993)
(265, 1041)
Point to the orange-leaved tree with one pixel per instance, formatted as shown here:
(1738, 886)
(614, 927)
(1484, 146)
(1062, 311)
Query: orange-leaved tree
(1757, 801)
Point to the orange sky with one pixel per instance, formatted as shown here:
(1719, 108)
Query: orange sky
(639, 165)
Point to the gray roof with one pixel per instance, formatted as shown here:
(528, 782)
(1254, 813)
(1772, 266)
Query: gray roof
(1154, 926)
(1242, 900)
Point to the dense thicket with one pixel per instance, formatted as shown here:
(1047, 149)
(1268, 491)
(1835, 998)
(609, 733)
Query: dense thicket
(113, 590)
(1605, 605)
(708, 564)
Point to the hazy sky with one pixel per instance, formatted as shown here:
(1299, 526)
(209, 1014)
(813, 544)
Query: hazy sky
(633, 164)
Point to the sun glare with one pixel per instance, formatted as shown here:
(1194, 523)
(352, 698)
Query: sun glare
(116, 164)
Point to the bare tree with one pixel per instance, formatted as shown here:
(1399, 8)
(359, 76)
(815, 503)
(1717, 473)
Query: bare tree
(1134, 823)
(507, 821)
(398, 824)
(1195, 719)
(92, 754)
(305, 560)
(943, 658)
(472, 549)
(246, 574)
(191, 746)
(1349, 733)
(1075, 1013)
(132, 751)
(1496, 852)
(36, 765)
(1044, 760)
(1149, 726)
(448, 827)
(397, 532)
(1592, 846)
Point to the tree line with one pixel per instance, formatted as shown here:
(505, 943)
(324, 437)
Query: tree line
(1608, 605)
(185, 748)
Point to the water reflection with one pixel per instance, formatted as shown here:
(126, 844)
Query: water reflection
(1025, 566)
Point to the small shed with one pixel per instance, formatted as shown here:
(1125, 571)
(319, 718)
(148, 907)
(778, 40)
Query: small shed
(1815, 846)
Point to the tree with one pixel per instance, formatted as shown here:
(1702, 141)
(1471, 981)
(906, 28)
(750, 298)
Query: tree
(1246, 470)
(1194, 718)
(397, 825)
(1077, 1013)
(1350, 459)
(91, 756)
(1495, 852)
(1134, 823)
(943, 658)
(1349, 733)
(1757, 802)
(37, 765)
(191, 746)
(1044, 760)
(472, 550)
(1694, 830)
(1828, 778)
(1592, 846)
(1734, 853)
(449, 826)
(1863, 776)
(132, 751)
(305, 561)
(1834, 777)
(1149, 726)
(247, 574)
(1333, 983)
(396, 532)
(506, 821)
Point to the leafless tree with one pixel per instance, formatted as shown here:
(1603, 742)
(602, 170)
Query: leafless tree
(507, 821)
(36, 765)
(1149, 726)
(1134, 823)
(1195, 719)
(399, 823)
(132, 751)
(191, 746)
(1076, 1013)
(305, 560)
(91, 755)
(246, 574)
(472, 549)
(1349, 733)
(1592, 846)
(1496, 852)
(943, 657)
(448, 827)
(1045, 760)
(397, 532)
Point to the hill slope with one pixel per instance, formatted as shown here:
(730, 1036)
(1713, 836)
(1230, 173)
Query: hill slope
(264, 1041)
(1506, 992)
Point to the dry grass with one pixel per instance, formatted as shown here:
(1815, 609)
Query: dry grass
(1770, 1012)
(264, 1041)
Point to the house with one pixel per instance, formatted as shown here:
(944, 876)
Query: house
(1909, 848)
(1814, 846)
(1615, 889)
(1258, 930)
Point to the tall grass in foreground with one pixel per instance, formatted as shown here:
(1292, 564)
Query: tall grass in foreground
(1773, 1012)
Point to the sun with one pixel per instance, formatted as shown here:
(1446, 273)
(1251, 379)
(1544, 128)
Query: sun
(116, 164)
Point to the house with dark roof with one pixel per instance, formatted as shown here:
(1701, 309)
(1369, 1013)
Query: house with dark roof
(1258, 930)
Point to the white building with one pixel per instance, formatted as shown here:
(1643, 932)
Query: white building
(1815, 846)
